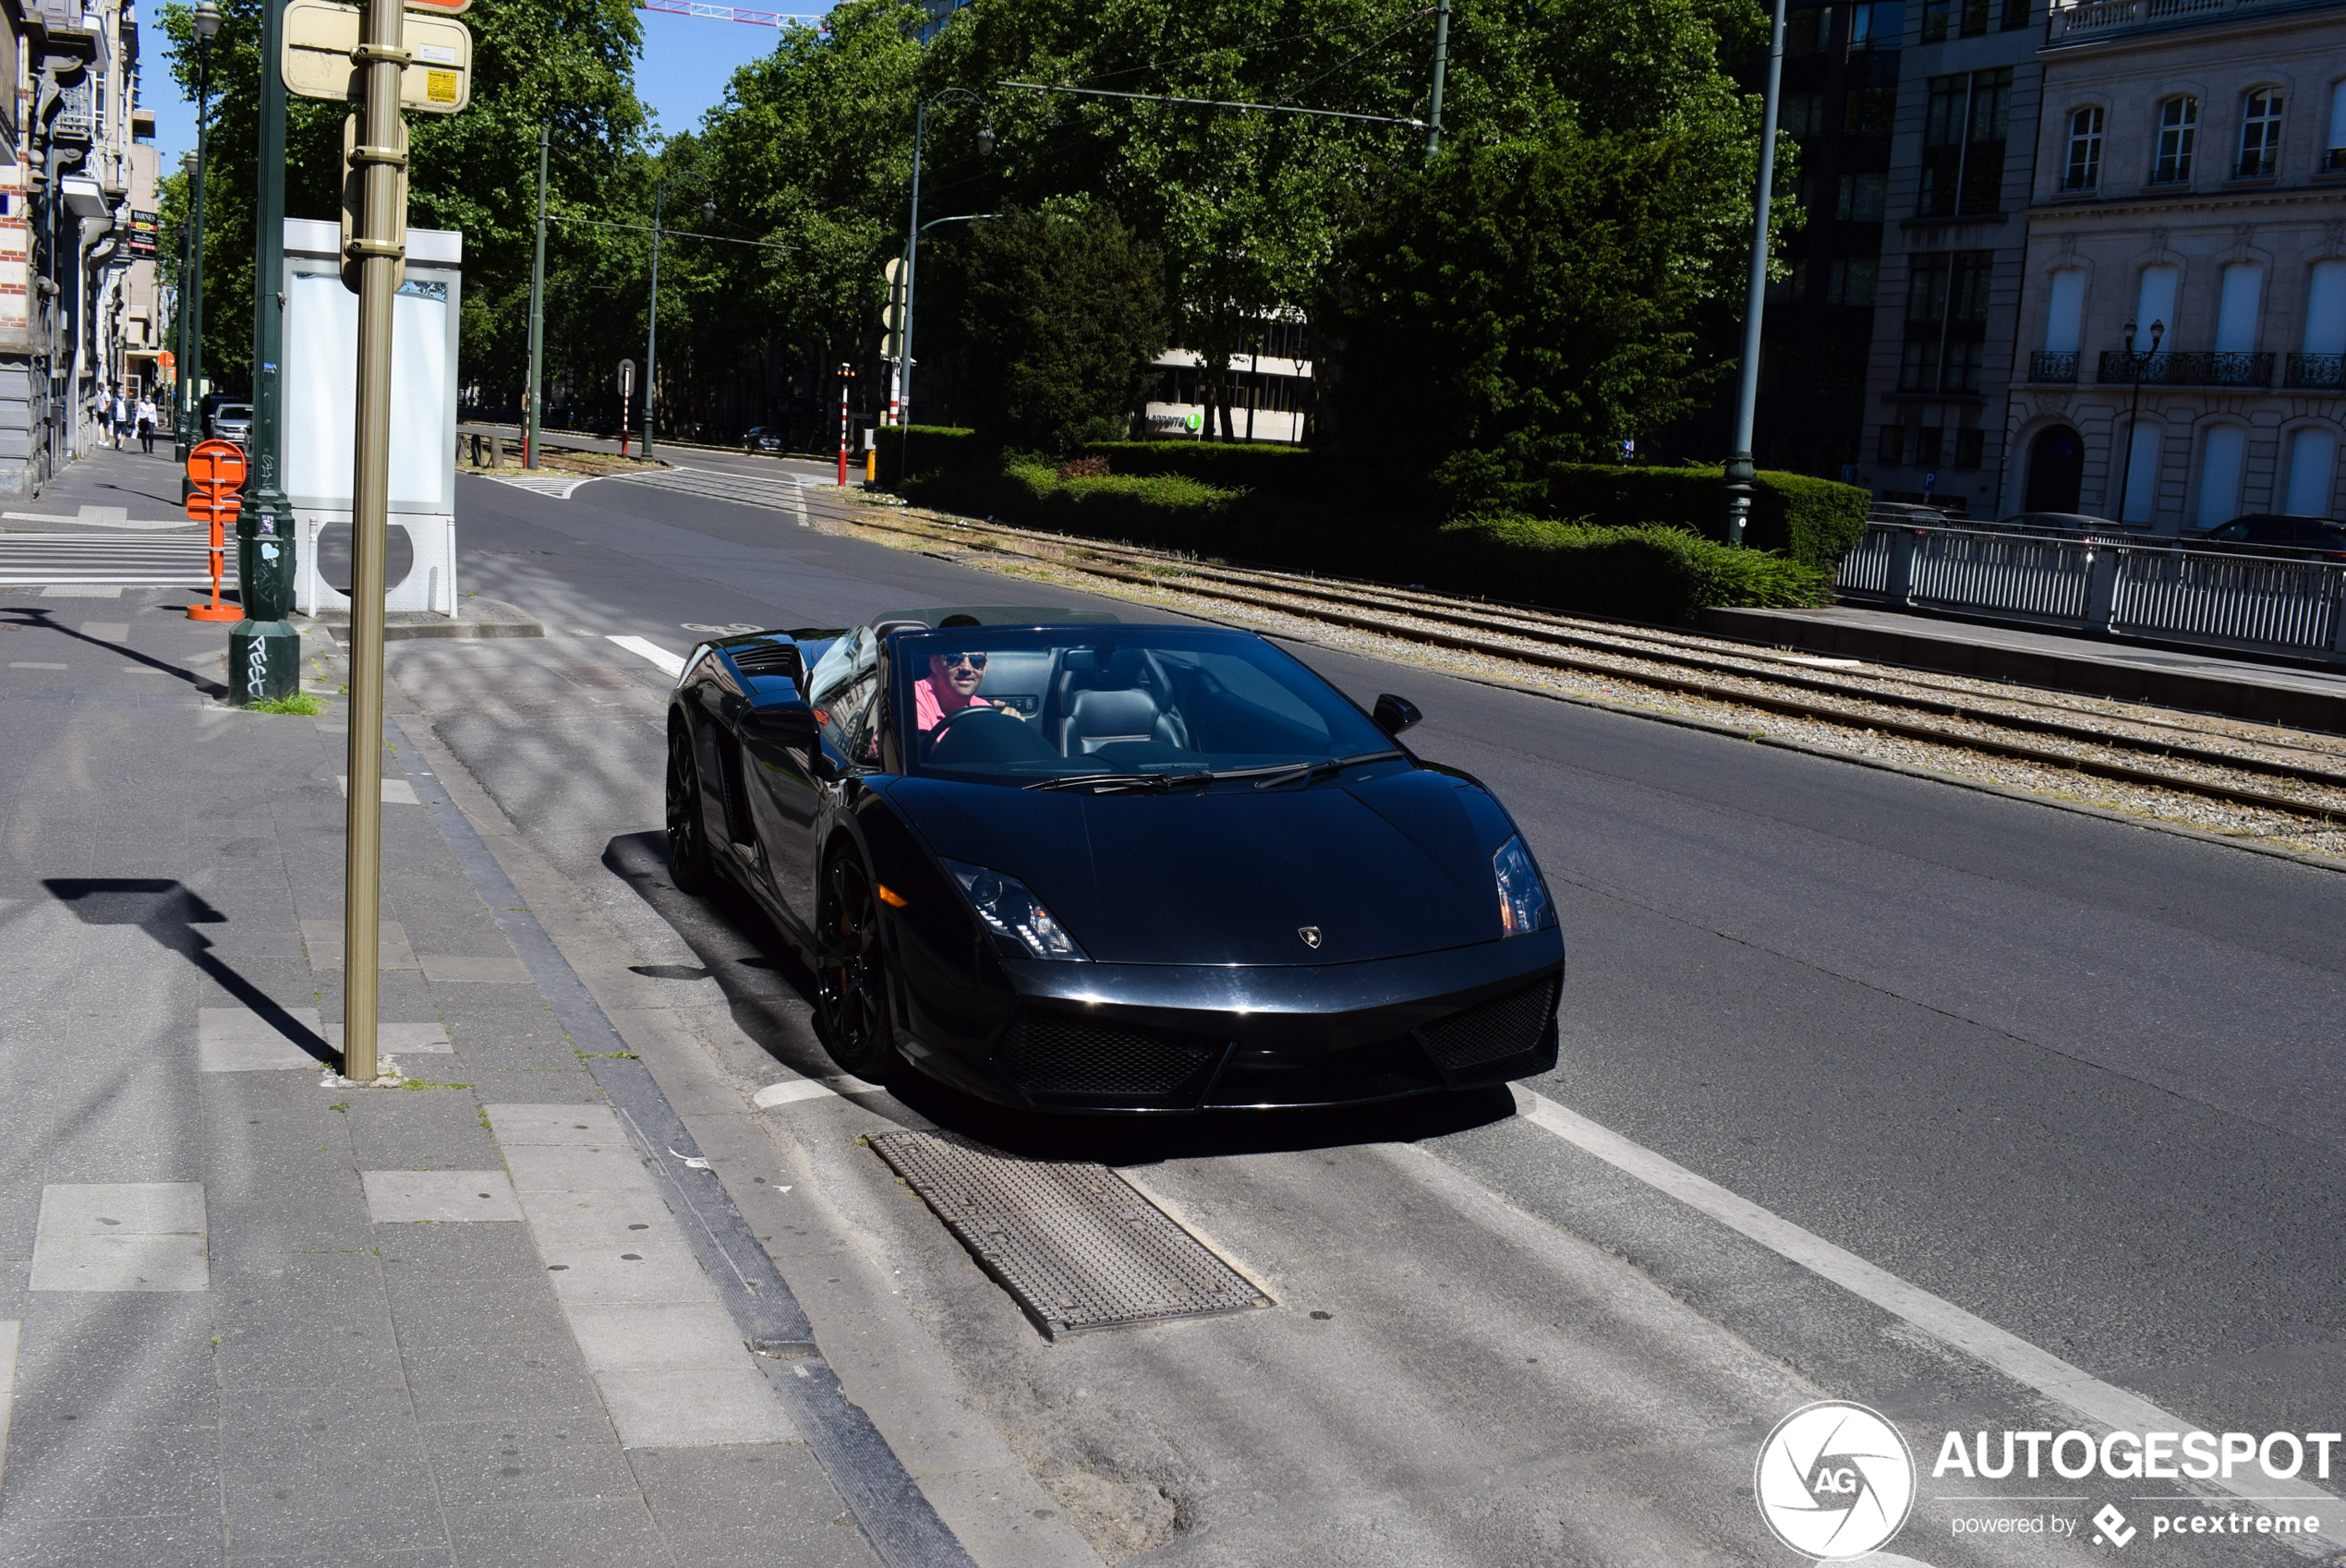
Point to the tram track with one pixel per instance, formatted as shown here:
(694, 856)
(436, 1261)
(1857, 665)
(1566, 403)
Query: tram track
(2232, 762)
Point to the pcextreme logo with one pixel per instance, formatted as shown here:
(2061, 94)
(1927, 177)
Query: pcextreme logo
(1835, 1480)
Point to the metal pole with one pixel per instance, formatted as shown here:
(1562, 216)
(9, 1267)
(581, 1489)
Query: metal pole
(904, 347)
(2133, 410)
(1441, 62)
(844, 371)
(651, 346)
(264, 651)
(536, 317)
(380, 249)
(1740, 473)
(191, 414)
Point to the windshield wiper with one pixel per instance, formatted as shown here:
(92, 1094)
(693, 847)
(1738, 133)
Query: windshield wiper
(1152, 783)
(1307, 772)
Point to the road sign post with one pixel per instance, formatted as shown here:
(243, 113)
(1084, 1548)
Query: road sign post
(845, 372)
(215, 472)
(626, 395)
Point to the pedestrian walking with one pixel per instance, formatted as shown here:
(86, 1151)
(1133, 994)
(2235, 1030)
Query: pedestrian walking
(146, 416)
(121, 419)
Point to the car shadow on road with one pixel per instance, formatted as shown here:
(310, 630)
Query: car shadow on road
(770, 994)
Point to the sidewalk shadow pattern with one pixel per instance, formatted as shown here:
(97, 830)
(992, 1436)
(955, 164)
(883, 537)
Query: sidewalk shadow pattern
(169, 911)
(38, 619)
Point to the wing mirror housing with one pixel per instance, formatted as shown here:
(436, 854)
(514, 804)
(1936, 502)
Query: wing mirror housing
(1393, 713)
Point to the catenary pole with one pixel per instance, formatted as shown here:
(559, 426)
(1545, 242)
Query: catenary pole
(1740, 473)
(536, 316)
(379, 252)
(1441, 63)
(651, 344)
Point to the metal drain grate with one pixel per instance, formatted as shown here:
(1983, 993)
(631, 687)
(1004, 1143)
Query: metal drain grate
(1073, 1243)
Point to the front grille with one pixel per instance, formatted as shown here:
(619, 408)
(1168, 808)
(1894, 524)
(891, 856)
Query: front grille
(1511, 1026)
(1054, 1056)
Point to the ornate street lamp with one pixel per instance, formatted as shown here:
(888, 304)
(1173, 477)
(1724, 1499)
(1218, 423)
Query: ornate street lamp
(2136, 364)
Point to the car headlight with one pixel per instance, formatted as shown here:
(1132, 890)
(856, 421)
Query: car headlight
(1009, 908)
(1523, 902)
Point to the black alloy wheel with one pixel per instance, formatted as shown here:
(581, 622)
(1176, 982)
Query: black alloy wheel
(688, 867)
(851, 981)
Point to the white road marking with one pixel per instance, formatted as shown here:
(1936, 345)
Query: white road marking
(2105, 1404)
(798, 501)
(668, 664)
(556, 487)
(11, 1332)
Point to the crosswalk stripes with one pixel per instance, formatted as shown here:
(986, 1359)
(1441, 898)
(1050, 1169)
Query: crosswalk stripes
(780, 493)
(67, 559)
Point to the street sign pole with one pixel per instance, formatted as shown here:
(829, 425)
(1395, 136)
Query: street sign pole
(627, 400)
(264, 651)
(378, 251)
(844, 372)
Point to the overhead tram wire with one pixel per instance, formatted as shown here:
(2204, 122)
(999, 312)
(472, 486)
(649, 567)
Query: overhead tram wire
(1255, 44)
(1213, 104)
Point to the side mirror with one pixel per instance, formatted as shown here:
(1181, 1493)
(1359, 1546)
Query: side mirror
(1393, 713)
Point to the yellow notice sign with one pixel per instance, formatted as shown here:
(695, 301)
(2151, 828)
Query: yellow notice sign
(321, 34)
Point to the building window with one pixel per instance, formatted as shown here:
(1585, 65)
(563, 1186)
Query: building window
(1803, 114)
(1930, 446)
(2334, 160)
(1852, 282)
(1873, 26)
(2223, 450)
(1935, 14)
(1862, 198)
(2313, 472)
(2259, 135)
(2178, 140)
(1808, 32)
(1970, 17)
(1962, 143)
(1946, 321)
(1967, 447)
(2015, 15)
(2085, 150)
(1892, 445)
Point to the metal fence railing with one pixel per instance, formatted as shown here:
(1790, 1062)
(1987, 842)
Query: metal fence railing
(2260, 603)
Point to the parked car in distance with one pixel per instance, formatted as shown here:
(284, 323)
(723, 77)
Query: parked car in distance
(763, 438)
(2072, 525)
(1910, 511)
(2266, 533)
(233, 422)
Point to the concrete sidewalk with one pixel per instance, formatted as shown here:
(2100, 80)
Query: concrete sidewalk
(249, 1313)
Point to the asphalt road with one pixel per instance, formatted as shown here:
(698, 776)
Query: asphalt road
(2077, 1077)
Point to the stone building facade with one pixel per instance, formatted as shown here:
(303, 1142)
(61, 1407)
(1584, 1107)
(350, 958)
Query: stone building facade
(78, 309)
(2190, 180)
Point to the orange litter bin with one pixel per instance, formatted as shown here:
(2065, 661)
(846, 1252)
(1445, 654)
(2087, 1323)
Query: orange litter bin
(215, 472)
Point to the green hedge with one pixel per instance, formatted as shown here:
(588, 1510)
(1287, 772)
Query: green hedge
(1813, 520)
(1645, 572)
(935, 451)
(1168, 510)
(1262, 468)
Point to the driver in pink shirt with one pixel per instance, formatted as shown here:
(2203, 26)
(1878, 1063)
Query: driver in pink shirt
(951, 686)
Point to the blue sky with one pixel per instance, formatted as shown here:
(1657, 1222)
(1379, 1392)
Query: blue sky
(686, 63)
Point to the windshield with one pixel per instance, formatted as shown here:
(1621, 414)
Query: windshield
(1109, 708)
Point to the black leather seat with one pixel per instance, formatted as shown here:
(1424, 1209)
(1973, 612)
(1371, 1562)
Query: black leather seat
(1098, 717)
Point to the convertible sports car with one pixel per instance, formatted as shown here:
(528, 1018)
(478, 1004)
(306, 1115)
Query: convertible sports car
(1070, 863)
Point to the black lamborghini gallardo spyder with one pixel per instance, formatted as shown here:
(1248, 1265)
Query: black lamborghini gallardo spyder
(1065, 862)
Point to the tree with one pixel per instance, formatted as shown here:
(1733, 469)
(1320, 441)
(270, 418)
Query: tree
(1063, 311)
(1522, 302)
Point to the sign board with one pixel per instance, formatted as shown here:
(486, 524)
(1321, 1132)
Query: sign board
(166, 365)
(440, 7)
(320, 35)
(626, 378)
(140, 241)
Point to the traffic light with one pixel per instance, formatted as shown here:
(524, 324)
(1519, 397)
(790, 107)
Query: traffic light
(893, 313)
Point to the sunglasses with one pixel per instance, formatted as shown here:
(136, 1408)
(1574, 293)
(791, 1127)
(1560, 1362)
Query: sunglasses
(975, 662)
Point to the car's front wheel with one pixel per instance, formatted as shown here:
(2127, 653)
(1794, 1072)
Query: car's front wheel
(688, 867)
(851, 980)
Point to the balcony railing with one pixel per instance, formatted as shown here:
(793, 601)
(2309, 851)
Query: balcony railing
(2049, 365)
(2188, 367)
(2317, 370)
(2083, 22)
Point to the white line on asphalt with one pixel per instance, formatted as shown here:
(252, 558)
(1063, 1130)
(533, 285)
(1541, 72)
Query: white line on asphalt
(668, 664)
(11, 1331)
(2024, 1363)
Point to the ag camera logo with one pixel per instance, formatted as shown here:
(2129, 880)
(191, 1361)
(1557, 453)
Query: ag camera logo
(1835, 1480)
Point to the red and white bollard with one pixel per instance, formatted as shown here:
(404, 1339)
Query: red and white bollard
(844, 372)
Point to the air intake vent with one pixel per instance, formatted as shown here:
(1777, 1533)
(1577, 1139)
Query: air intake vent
(1482, 1036)
(769, 658)
(1052, 1056)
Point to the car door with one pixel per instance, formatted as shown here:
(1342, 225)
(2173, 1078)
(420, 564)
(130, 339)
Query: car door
(796, 780)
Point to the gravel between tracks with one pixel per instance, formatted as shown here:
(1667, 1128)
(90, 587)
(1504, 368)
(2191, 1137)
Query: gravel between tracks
(2310, 834)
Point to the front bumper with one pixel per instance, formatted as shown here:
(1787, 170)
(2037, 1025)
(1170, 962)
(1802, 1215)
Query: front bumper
(1165, 1037)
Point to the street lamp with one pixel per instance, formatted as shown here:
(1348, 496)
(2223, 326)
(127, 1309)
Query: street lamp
(2135, 362)
(1740, 475)
(903, 401)
(207, 24)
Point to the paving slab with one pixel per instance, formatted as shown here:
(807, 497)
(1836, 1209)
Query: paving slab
(440, 1197)
(121, 1235)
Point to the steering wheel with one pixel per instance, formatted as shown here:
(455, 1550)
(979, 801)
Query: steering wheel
(937, 734)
